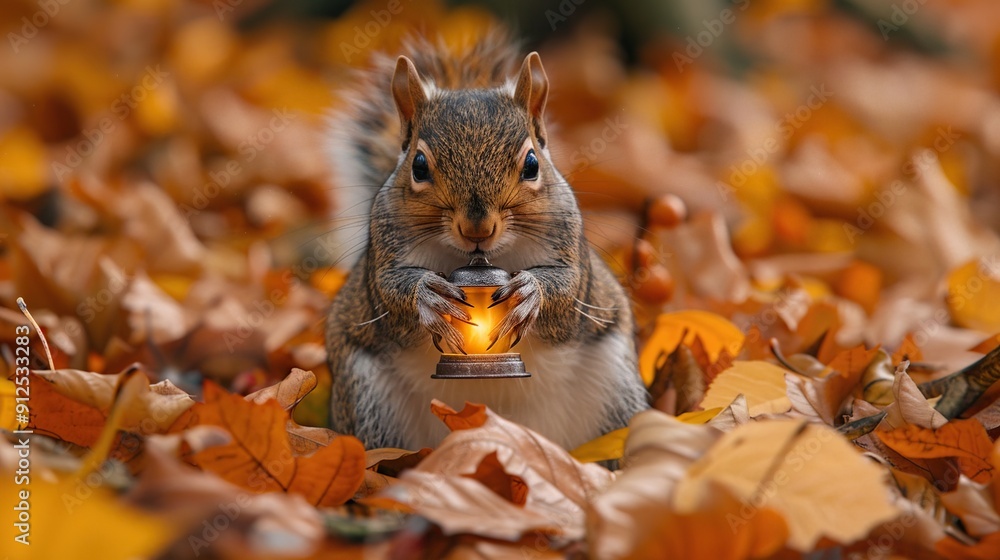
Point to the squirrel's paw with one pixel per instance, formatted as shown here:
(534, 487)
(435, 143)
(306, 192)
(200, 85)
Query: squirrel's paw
(525, 295)
(438, 299)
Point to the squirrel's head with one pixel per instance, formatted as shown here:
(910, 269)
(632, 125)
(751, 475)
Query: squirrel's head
(474, 172)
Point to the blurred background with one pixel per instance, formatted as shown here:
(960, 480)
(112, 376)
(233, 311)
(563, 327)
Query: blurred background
(166, 196)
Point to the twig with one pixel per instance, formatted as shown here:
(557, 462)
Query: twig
(961, 389)
(861, 426)
(45, 344)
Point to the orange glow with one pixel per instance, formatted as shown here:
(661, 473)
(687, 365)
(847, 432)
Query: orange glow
(477, 338)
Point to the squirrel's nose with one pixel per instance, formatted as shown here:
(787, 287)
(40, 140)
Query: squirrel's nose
(479, 232)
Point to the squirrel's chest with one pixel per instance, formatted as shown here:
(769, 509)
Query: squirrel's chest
(565, 399)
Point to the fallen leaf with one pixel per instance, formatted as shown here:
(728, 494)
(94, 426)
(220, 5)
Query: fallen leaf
(762, 383)
(608, 447)
(471, 416)
(909, 406)
(61, 524)
(490, 474)
(260, 457)
(638, 517)
(973, 504)
(154, 409)
(790, 466)
(966, 440)
(988, 548)
(715, 332)
(559, 487)
(878, 380)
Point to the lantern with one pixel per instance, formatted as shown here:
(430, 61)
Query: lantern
(479, 280)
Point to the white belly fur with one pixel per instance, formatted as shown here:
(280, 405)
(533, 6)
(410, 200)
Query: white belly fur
(564, 399)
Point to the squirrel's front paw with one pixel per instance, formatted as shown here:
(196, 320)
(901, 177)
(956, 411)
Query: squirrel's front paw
(438, 299)
(525, 295)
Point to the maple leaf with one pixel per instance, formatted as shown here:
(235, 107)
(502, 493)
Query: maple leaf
(965, 440)
(260, 457)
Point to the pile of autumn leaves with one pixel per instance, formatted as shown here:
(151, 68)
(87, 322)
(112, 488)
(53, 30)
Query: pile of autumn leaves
(757, 470)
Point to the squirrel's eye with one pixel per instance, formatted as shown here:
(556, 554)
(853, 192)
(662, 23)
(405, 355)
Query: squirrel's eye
(421, 172)
(530, 171)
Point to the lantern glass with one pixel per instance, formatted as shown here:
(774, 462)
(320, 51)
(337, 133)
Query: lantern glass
(477, 337)
(479, 280)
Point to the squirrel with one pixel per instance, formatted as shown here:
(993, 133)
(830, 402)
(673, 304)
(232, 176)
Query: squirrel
(443, 154)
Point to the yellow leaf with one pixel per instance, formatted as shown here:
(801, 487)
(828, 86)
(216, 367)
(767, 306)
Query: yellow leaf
(7, 403)
(716, 334)
(974, 295)
(604, 448)
(64, 525)
(635, 518)
(790, 467)
(762, 383)
(700, 416)
(22, 164)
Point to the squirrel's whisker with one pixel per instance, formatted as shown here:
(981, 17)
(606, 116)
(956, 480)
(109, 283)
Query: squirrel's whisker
(371, 320)
(578, 300)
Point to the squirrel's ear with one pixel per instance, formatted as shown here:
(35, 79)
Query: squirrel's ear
(408, 92)
(532, 91)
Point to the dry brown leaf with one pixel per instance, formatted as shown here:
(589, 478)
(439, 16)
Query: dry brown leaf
(288, 392)
(260, 457)
(559, 487)
(275, 524)
(736, 414)
(490, 474)
(973, 504)
(909, 406)
(878, 380)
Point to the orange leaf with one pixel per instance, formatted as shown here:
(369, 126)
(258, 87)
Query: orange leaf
(491, 474)
(986, 346)
(907, 350)
(260, 457)
(965, 440)
(63, 417)
(289, 391)
(988, 548)
(853, 361)
(472, 416)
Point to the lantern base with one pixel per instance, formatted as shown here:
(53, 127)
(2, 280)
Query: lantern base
(480, 366)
